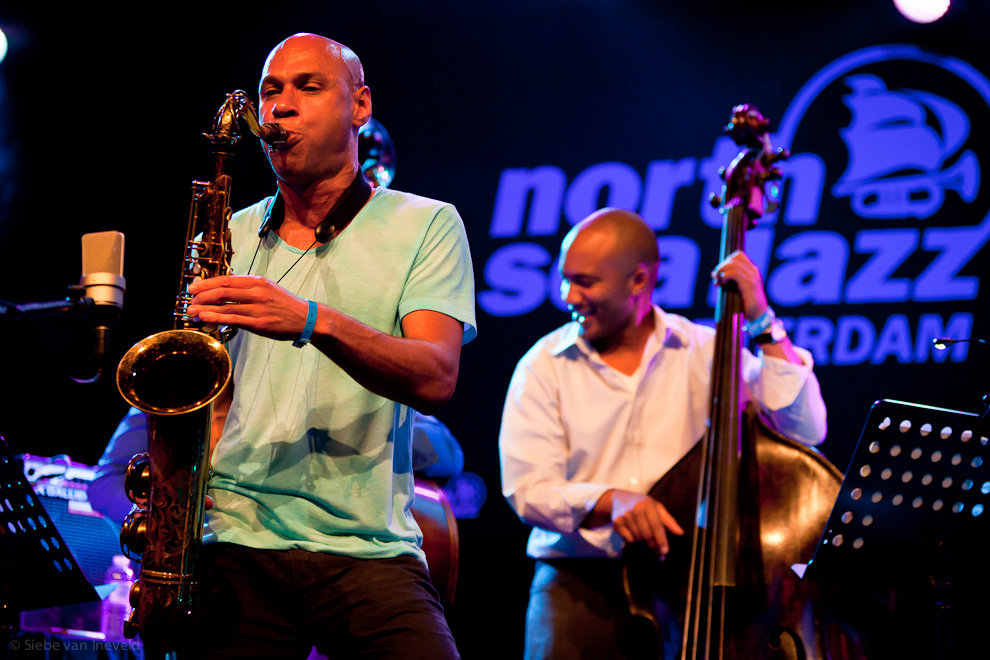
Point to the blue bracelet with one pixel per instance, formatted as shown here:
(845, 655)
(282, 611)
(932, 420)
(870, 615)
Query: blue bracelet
(307, 332)
(760, 324)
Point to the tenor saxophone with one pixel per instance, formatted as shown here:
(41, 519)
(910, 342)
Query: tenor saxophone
(174, 377)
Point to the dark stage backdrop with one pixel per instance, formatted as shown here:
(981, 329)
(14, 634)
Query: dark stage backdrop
(527, 116)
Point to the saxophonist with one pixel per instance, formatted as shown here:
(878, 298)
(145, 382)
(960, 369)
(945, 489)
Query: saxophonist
(352, 305)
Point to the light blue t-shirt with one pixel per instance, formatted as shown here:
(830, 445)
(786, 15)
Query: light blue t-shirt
(309, 458)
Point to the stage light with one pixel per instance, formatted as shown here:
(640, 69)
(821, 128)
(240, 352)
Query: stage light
(3, 45)
(922, 11)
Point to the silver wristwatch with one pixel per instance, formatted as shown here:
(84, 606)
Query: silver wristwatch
(773, 335)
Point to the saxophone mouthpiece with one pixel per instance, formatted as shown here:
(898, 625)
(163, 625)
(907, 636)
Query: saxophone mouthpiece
(273, 134)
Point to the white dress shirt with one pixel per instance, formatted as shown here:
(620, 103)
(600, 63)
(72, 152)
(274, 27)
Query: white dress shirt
(573, 427)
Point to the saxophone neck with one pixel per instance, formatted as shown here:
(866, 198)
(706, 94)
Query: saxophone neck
(238, 105)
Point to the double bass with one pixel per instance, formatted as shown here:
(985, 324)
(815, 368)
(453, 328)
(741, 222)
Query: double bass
(759, 501)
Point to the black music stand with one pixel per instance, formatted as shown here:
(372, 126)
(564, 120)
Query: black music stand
(914, 505)
(36, 568)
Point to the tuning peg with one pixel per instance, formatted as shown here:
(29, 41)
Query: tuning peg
(721, 173)
(778, 155)
(714, 199)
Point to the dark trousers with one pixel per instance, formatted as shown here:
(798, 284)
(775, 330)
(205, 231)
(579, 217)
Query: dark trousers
(577, 611)
(282, 603)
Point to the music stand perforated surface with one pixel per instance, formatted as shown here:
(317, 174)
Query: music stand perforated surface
(36, 566)
(915, 500)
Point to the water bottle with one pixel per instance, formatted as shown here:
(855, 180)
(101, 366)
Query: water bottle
(117, 607)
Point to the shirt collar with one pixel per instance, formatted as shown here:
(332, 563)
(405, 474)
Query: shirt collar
(667, 332)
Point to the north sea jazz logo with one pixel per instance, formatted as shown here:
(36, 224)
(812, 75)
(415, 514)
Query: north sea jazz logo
(874, 251)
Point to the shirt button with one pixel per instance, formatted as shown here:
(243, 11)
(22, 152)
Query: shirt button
(633, 481)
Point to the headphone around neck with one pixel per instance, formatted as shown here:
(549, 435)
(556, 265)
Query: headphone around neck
(353, 199)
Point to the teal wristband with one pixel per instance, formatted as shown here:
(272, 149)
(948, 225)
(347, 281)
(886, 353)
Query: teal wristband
(307, 333)
(760, 324)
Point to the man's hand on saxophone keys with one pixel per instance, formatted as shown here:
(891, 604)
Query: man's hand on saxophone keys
(250, 302)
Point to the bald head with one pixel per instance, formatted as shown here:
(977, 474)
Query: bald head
(608, 270)
(334, 50)
(619, 235)
(314, 88)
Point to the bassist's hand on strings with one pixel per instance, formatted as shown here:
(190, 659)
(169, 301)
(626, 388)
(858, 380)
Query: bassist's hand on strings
(739, 269)
(635, 517)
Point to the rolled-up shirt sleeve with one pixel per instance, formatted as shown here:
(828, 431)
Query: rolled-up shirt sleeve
(574, 427)
(789, 395)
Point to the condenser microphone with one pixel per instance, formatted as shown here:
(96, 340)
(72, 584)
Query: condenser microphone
(103, 279)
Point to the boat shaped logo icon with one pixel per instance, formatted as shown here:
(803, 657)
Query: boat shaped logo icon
(908, 120)
(899, 144)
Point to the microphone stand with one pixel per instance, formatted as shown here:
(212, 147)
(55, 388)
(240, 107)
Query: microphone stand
(75, 304)
(942, 343)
